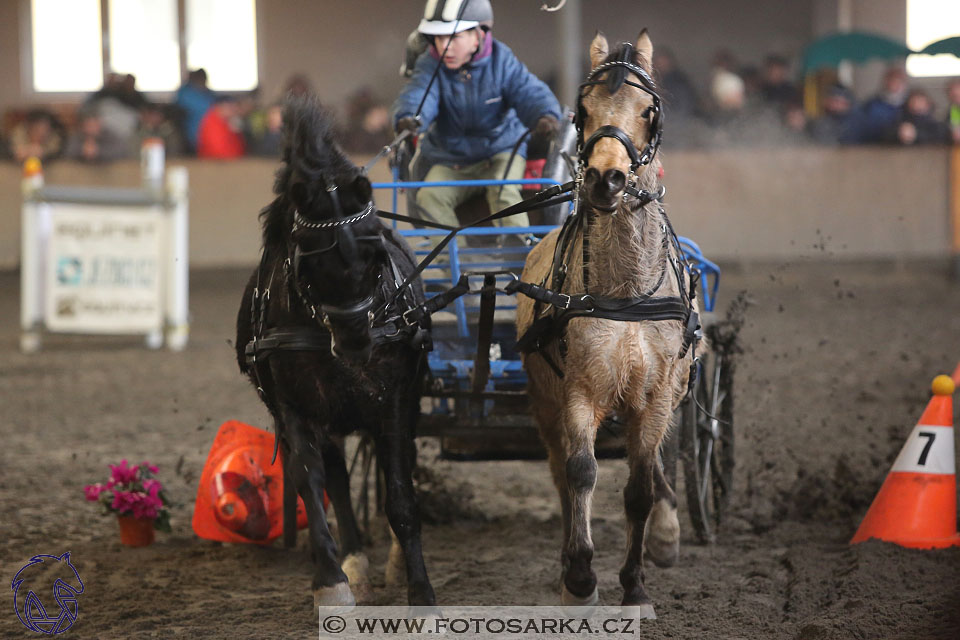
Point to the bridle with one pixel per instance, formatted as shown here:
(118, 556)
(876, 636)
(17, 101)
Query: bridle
(655, 133)
(344, 240)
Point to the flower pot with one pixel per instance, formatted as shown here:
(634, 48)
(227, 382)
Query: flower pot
(135, 532)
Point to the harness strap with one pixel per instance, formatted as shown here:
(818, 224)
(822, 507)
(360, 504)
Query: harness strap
(581, 302)
(610, 131)
(316, 339)
(436, 303)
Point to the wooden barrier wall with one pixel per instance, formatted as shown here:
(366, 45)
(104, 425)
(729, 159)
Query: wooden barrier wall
(740, 205)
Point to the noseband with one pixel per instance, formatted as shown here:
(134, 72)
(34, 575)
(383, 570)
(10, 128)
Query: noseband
(637, 159)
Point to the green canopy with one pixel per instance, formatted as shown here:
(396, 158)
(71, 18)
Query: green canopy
(856, 46)
(947, 45)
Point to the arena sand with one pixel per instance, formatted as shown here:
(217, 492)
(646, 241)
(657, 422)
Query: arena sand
(836, 372)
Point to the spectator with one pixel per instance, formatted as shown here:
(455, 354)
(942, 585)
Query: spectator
(728, 120)
(298, 85)
(93, 142)
(775, 86)
(220, 132)
(265, 130)
(953, 110)
(879, 114)
(679, 96)
(750, 74)
(729, 94)
(915, 124)
(156, 123)
(118, 105)
(795, 123)
(40, 135)
(836, 125)
(368, 123)
(195, 99)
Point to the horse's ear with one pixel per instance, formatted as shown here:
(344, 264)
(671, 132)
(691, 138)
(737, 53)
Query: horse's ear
(598, 50)
(644, 49)
(363, 187)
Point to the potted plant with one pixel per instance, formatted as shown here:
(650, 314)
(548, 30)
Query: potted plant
(138, 500)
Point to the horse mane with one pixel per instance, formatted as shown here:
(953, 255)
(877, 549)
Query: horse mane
(616, 76)
(311, 153)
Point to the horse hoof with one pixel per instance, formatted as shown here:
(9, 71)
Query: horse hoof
(355, 566)
(661, 536)
(339, 595)
(567, 599)
(638, 611)
(396, 571)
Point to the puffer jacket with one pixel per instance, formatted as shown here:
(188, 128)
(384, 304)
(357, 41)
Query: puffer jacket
(478, 110)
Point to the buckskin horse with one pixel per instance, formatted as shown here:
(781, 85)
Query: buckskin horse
(607, 324)
(320, 334)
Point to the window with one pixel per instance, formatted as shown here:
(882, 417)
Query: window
(222, 39)
(144, 42)
(67, 50)
(929, 21)
(74, 46)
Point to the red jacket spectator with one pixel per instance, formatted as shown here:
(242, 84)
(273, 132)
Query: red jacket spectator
(217, 137)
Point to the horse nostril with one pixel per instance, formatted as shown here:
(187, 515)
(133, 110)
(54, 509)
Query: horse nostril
(592, 177)
(615, 180)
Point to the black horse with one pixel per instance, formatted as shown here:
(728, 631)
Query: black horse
(322, 339)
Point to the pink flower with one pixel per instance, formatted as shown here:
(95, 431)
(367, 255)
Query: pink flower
(146, 507)
(123, 474)
(152, 487)
(123, 501)
(93, 491)
(152, 467)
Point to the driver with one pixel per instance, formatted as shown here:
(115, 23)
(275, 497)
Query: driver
(478, 107)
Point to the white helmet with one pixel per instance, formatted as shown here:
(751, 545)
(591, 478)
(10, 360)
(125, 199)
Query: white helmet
(440, 16)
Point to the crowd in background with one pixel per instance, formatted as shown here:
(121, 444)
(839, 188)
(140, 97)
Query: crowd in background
(749, 105)
(113, 123)
(742, 105)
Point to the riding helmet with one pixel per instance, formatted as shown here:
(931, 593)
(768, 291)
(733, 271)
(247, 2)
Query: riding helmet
(440, 17)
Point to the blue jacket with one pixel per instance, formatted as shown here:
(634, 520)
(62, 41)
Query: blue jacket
(195, 102)
(477, 111)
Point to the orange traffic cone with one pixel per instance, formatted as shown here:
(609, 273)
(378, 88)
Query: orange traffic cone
(917, 504)
(240, 497)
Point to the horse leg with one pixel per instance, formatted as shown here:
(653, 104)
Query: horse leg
(355, 563)
(289, 505)
(643, 438)
(580, 472)
(396, 452)
(661, 536)
(548, 419)
(396, 569)
(330, 586)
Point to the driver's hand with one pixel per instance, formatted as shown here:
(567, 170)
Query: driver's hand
(547, 127)
(407, 124)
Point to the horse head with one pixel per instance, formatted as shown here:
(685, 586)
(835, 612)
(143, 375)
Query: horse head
(619, 119)
(334, 247)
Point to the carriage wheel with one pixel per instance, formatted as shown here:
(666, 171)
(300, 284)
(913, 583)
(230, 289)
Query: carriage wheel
(707, 445)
